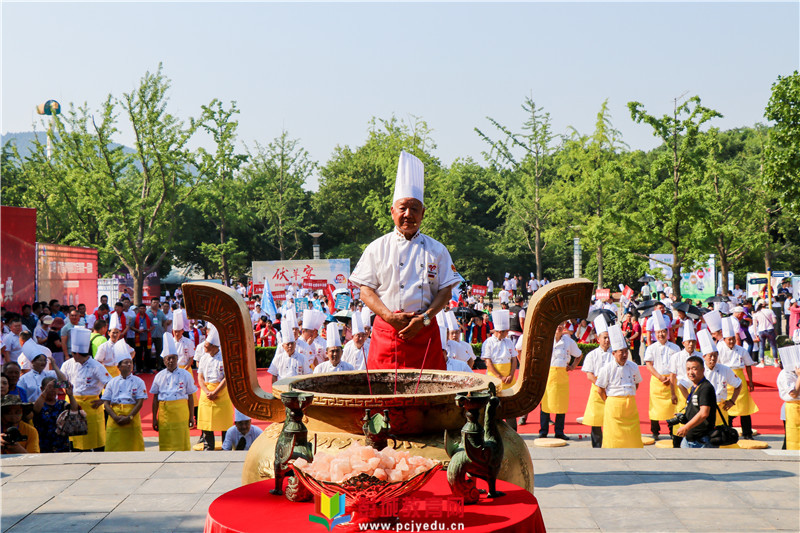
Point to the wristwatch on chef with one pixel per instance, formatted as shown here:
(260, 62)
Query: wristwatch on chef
(426, 320)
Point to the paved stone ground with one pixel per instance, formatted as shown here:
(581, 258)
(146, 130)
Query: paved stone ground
(578, 488)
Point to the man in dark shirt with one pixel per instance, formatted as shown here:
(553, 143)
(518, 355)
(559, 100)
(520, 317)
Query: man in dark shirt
(515, 328)
(700, 408)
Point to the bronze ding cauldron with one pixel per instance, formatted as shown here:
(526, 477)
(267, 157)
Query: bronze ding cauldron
(418, 420)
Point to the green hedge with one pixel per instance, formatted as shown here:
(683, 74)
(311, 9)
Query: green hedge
(264, 355)
(585, 348)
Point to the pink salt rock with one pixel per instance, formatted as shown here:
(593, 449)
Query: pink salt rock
(301, 463)
(380, 473)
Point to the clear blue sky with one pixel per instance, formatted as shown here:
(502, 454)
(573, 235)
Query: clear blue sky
(322, 70)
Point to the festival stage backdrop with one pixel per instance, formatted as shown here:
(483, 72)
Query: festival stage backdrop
(17, 257)
(68, 274)
(697, 283)
(281, 273)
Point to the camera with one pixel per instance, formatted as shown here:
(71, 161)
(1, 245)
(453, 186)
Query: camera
(13, 436)
(62, 384)
(679, 418)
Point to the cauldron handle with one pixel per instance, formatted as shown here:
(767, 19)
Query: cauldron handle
(225, 309)
(550, 305)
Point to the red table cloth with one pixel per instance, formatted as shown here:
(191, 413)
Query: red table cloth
(253, 509)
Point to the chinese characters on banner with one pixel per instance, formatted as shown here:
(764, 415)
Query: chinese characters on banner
(479, 290)
(602, 294)
(322, 271)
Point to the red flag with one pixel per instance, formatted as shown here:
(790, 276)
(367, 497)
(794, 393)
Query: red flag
(627, 292)
(329, 293)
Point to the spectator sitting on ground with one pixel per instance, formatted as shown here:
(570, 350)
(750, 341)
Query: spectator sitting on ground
(241, 434)
(46, 410)
(12, 425)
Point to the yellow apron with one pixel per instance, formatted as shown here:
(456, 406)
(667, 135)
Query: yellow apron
(593, 415)
(793, 425)
(127, 438)
(113, 370)
(216, 415)
(504, 369)
(96, 423)
(173, 426)
(744, 402)
(556, 392)
(661, 406)
(621, 423)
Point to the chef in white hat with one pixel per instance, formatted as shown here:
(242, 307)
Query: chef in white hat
(788, 383)
(658, 360)
(88, 377)
(105, 353)
(173, 391)
(498, 352)
(215, 410)
(184, 346)
(565, 357)
(738, 359)
(241, 434)
(719, 375)
(334, 353)
(455, 347)
(406, 278)
(288, 361)
(123, 398)
(453, 364)
(316, 346)
(592, 363)
(713, 320)
(618, 381)
(355, 350)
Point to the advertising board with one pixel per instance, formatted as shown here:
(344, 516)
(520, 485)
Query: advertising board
(17, 257)
(67, 274)
(323, 271)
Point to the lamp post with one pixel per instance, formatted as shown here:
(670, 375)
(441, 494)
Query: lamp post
(52, 108)
(316, 235)
(576, 253)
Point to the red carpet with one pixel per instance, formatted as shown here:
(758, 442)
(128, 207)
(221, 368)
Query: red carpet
(766, 421)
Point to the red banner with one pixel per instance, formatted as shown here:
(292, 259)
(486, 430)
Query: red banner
(627, 292)
(68, 274)
(479, 290)
(315, 284)
(602, 294)
(331, 301)
(279, 296)
(18, 257)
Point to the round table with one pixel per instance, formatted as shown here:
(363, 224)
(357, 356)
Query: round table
(253, 509)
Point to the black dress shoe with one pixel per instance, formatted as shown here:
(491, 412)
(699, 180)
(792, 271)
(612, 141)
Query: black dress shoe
(542, 435)
(562, 436)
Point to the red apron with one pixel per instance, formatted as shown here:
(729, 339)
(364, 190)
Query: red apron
(388, 351)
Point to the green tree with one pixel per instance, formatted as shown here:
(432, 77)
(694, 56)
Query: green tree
(521, 160)
(276, 176)
(661, 202)
(782, 157)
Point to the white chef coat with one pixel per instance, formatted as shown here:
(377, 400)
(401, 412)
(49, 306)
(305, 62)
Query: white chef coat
(185, 348)
(595, 360)
(456, 365)
(661, 356)
(88, 378)
(619, 380)
(283, 366)
(105, 353)
(736, 358)
(199, 353)
(563, 349)
(170, 386)
(125, 390)
(328, 367)
(319, 349)
(406, 274)
(31, 382)
(355, 356)
(460, 350)
(786, 382)
(498, 351)
(720, 377)
(212, 369)
(233, 435)
(651, 325)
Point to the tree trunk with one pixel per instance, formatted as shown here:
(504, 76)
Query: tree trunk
(676, 272)
(599, 266)
(724, 267)
(138, 285)
(223, 258)
(537, 240)
(767, 251)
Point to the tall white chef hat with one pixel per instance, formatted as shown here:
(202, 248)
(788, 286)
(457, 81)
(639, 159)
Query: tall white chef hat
(688, 331)
(31, 349)
(658, 321)
(451, 322)
(177, 320)
(80, 339)
(366, 316)
(308, 319)
(443, 336)
(617, 338)
(121, 351)
(600, 324)
(238, 416)
(319, 319)
(289, 321)
(213, 335)
(714, 321)
(356, 324)
(290, 315)
(332, 335)
(500, 319)
(114, 322)
(170, 347)
(286, 336)
(728, 327)
(410, 182)
(707, 344)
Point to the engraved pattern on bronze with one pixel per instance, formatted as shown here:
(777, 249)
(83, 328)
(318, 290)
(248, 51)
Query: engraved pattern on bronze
(224, 307)
(551, 305)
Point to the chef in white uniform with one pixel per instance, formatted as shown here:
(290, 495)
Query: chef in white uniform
(289, 362)
(738, 359)
(455, 347)
(333, 352)
(355, 350)
(719, 375)
(242, 434)
(592, 363)
(658, 360)
(556, 393)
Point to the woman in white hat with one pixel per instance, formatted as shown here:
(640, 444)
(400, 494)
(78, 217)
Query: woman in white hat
(88, 378)
(173, 401)
(123, 398)
(215, 411)
(565, 357)
(618, 382)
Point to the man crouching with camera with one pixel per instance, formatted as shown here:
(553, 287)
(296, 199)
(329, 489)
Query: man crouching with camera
(700, 415)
